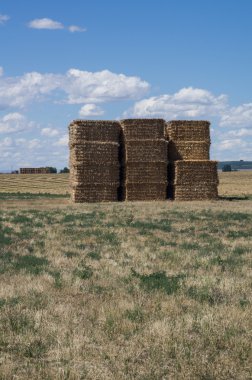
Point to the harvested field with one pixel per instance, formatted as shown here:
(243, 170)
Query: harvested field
(118, 291)
(237, 184)
(34, 183)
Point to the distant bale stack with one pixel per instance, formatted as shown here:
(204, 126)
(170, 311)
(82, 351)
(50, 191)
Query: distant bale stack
(191, 175)
(143, 160)
(34, 170)
(94, 160)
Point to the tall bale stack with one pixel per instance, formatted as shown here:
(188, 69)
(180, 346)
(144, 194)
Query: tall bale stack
(94, 160)
(143, 160)
(191, 175)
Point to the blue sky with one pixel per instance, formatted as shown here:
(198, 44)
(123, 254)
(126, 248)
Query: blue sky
(97, 59)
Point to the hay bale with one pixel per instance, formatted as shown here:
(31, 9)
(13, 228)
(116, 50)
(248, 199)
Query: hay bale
(94, 193)
(188, 150)
(143, 129)
(186, 172)
(88, 174)
(143, 192)
(188, 130)
(144, 172)
(94, 152)
(193, 180)
(193, 192)
(144, 151)
(93, 130)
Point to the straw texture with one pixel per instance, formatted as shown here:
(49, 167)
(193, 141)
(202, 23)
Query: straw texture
(144, 160)
(94, 160)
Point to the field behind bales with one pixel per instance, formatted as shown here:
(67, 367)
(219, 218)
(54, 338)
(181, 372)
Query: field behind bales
(231, 184)
(143, 290)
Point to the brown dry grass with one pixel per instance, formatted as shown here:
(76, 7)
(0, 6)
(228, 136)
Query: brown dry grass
(151, 290)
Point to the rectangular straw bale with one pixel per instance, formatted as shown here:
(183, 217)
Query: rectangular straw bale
(193, 192)
(144, 192)
(143, 129)
(144, 172)
(94, 193)
(193, 172)
(188, 130)
(188, 150)
(144, 151)
(93, 130)
(94, 152)
(88, 174)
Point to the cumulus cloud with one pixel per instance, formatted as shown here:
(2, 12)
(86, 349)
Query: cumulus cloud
(243, 132)
(49, 132)
(90, 110)
(45, 23)
(15, 122)
(241, 116)
(187, 103)
(63, 141)
(75, 28)
(102, 86)
(73, 87)
(3, 19)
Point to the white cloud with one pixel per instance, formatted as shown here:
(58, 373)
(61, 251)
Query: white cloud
(238, 116)
(243, 132)
(187, 103)
(78, 87)
(75, 28)
(6, 142)
(15, 122)
(232, 144)
(45, 23)
(3, 19)
(1, 71)
(49, 132)
(102, 86)
(90, 110)
(63, 141)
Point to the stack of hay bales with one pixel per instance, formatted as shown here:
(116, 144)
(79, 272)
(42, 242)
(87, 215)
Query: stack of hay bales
(94, 160)
(191, 175)
(143, 160)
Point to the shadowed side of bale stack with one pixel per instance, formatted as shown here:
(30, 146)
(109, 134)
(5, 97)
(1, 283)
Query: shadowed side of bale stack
(191, 175)
(94, 160)
(143, 160)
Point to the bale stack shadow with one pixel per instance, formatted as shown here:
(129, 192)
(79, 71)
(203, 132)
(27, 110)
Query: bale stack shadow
(143, 160)
(94, 160)
(191, 175)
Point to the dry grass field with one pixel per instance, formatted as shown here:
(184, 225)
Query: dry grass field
(118, 291)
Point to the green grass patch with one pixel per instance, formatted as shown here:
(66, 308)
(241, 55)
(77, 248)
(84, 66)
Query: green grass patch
(159, 281)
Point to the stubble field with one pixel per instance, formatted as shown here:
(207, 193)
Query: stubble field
(145, 290)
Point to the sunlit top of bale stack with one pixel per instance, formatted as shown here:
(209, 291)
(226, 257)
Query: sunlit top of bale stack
(143, 129)
(94, 130)
(188, 130)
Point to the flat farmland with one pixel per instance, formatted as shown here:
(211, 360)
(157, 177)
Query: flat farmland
(231, 184)
(136, 290)
(34, 183)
